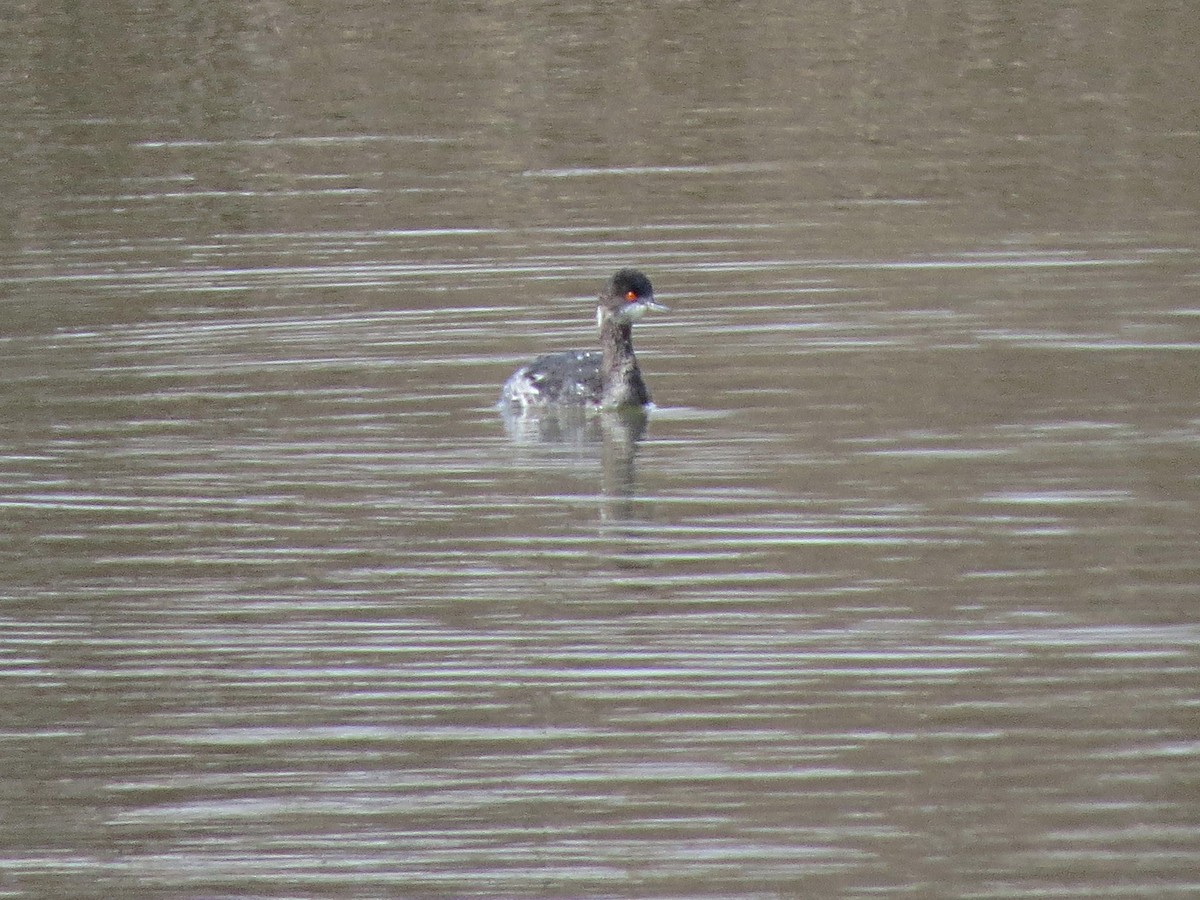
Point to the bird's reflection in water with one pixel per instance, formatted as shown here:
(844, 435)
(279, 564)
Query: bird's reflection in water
(612, 435)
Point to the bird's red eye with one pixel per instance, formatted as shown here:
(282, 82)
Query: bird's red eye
(631, 296)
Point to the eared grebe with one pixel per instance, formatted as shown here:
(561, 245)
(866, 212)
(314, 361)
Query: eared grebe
(606, 378)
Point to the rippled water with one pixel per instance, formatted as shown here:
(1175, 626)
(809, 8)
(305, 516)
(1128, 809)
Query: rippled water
(893, 594)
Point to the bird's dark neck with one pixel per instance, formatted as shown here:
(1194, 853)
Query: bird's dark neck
(623, 385)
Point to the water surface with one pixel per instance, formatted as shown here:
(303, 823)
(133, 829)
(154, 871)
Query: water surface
(893, 594)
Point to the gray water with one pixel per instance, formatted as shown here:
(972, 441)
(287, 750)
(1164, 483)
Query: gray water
(894, 593)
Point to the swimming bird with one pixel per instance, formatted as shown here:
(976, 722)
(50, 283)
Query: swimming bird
(608, 378)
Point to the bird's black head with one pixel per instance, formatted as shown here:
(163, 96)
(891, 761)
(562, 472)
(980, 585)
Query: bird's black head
(627, 297)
